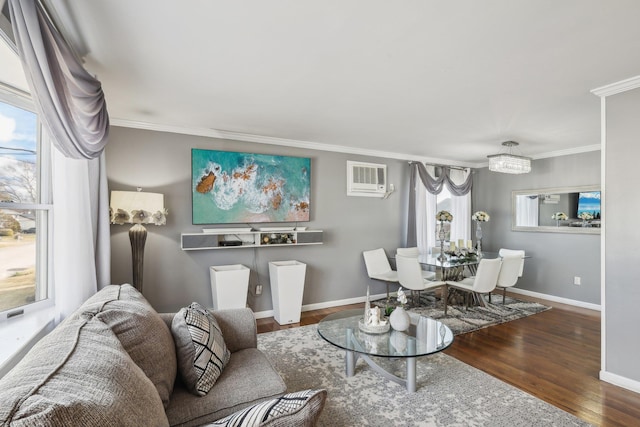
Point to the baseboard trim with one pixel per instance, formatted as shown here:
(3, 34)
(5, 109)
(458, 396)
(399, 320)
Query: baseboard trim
(321, 305)
(554, 298)
(620, 381)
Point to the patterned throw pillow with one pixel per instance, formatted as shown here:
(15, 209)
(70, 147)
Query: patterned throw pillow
(291, 410)
(202, 353)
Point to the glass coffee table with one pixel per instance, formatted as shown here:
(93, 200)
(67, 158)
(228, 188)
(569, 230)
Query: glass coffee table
(425, 336)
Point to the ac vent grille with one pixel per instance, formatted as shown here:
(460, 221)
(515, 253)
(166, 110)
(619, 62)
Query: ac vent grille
(366, 179)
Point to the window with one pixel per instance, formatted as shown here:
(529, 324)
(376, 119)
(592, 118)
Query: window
(24, 206)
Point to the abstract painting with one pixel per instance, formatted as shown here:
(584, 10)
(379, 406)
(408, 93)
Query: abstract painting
(231, 187)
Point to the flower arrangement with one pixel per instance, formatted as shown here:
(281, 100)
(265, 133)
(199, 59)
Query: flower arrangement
(480, 216)
(402, 297)
(585, 216)
(560, 216)
(444, 216)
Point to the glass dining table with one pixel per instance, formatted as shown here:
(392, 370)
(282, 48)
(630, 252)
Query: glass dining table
(451, 266)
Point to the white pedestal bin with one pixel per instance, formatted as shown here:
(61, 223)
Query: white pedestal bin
(229, 286)
(287, 286)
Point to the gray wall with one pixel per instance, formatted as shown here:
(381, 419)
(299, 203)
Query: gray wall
(161, 162)
(555, 257)
(622, 236)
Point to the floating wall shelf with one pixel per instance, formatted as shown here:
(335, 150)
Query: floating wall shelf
(248, 239)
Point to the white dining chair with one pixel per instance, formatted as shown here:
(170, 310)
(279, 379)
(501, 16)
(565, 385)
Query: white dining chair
(514, 252)
(378, 267)
(483, 282)
(410, 275)
(509, 273)
(413, 252)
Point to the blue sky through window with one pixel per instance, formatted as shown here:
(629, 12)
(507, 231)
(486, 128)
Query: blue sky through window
(18, 130)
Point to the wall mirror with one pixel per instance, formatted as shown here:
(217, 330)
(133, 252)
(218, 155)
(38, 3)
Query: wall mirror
(557, 210)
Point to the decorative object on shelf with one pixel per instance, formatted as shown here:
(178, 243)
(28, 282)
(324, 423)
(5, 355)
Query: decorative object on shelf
(479, 217)
(442, 216)
(509, 162)
(232, 188)
(372, 322)
(137, 208)
(399, 318)
(585, 216)
(277, 238)
(559, 216)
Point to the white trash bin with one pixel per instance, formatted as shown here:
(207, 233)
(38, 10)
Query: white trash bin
(287, 287)
(229, 286)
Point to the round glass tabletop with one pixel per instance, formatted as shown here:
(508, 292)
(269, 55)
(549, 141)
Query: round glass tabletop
(424, 336)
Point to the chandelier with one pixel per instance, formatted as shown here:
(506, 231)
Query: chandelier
(508, 162)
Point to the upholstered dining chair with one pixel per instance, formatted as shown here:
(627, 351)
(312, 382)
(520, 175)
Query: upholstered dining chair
(483, 282)
(413, 252)
(410, 275)
(378, 267)
(513, 252)
(509, 273)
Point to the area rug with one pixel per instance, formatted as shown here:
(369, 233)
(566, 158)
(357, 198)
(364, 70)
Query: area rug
(462, 320)
(450, 393)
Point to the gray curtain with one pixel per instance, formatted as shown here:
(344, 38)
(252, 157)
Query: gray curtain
(434, 186)
(69, 100)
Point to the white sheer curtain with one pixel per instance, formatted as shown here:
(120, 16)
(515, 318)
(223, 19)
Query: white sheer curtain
(527, 211)
(81, 252)
(460, 209)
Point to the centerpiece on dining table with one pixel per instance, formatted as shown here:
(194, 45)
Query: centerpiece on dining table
(479, 217)
(442, 217)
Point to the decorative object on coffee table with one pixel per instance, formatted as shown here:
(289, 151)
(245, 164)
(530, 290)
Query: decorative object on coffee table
(399, 318)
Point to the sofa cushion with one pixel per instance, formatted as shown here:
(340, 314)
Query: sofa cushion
(291, 410)
(249, 378)
(141, 330)
(200, 348)
(79, 375)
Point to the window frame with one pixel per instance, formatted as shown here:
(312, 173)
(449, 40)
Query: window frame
(43, 206)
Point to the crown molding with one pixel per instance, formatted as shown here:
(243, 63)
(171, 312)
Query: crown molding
(260, 139)
(617, 87)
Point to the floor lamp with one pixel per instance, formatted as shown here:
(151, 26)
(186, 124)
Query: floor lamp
(137, 208)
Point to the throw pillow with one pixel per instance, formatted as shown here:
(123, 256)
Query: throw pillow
(291, 410)
(202, 353)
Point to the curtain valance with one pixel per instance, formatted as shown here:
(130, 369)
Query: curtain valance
(69, 100)
(434, 186)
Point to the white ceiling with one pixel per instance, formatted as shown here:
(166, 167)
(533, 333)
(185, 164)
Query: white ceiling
(422, 78)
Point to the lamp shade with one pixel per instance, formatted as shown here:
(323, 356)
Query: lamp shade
(137, 207)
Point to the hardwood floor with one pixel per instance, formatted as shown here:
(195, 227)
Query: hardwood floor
(553, 355)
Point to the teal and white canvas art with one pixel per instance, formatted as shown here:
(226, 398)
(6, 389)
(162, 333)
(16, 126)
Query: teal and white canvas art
(230, 187)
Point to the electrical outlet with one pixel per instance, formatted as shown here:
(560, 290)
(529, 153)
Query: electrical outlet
(258, 289)
(577, 280)
(392, 187)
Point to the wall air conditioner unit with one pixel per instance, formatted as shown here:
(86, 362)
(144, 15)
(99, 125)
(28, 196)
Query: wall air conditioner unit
(552, 199)
(366, 179)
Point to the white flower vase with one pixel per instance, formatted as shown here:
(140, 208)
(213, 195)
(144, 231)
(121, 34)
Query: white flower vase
(399, 319)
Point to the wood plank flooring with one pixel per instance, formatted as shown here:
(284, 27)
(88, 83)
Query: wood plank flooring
(553, 355)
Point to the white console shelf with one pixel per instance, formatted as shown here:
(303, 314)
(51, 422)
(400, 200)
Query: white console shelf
(248, 239)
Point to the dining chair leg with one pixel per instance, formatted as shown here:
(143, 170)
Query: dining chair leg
(504, 295)
(489, 296)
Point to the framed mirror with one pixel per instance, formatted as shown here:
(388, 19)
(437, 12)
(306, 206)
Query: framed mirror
(557, 210)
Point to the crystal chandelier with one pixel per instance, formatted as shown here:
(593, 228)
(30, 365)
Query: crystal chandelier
(508, 162)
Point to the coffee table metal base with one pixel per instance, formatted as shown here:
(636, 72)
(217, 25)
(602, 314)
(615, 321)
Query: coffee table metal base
(351, 357)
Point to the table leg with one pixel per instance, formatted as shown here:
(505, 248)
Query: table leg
(411, 367)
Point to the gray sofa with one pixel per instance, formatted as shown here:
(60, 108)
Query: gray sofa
(113, 362)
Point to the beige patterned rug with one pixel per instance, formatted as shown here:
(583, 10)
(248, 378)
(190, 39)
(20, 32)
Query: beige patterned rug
(450, 393)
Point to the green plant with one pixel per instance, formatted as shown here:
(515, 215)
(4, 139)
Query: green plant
(6, 232)
(388, 310)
